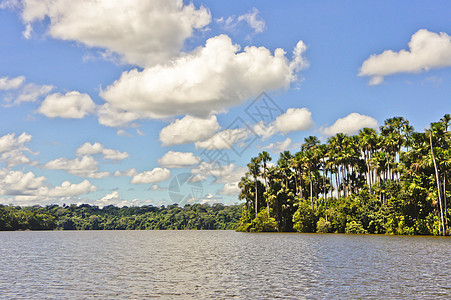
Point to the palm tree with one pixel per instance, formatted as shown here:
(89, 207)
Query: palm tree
(368, 142)
(436, 130)
(264, 157)
(254, 170)
(310, 148)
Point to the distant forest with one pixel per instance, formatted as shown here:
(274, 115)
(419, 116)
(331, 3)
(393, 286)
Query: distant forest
(392, 180)
(87, 217)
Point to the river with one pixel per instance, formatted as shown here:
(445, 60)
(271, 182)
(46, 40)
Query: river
(221, 265)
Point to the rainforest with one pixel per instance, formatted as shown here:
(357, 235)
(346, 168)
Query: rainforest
(390, 181)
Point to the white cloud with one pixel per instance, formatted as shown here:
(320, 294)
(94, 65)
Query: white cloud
(31, 92)
(97, 148)
(221, 173)
(254, 21)
(26, 187)
(350, 124)
(85, 166)
(178, 159)
(115, 199)
(252, 18)
(427, 50)
(263, 131)
(12, 149)
(279, 146)
(207, 81)
(5, 4)
(156, 187)
(224, 139)
(11, 84)
(111, 116)
(67, 189)
(189, 129)
(230, 189)
(157, 174)
(127, 173)
(294, 119)
(18, 91)
(142, 32)
(72, 105)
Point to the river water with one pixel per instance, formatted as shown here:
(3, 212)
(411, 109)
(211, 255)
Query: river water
(221, 265)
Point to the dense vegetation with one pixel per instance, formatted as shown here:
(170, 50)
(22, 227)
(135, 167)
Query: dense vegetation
(393, 181)
(86, 217)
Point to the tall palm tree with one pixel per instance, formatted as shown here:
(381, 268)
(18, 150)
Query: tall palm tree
(310, 148)
(435, 130)
(368, 142)
(264, 157)
(254, 170)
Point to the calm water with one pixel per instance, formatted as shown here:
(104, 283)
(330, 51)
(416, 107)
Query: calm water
(221, 264)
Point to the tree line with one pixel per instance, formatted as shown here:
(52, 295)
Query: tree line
(392, 180)
(87, 217)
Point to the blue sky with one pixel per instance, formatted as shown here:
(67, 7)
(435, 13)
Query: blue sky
(106, 103)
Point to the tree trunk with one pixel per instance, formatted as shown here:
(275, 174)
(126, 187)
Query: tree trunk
(311, 185)
(444, 203)
(437, 177)
(256, 198)
(266, 187)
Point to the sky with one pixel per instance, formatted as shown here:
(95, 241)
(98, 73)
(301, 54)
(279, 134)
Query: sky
(160, 102)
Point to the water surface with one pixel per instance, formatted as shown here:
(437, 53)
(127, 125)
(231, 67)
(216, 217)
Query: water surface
(221, 264)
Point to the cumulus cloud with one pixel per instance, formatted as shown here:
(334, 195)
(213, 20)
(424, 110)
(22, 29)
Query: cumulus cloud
(263, 131)
(72, 105)
(110, 116)
(174, 159)
(225, 139)
(12, 149)
(221, 173)
(97, 148)
(294, 119)
(189, 129)
(156, 175)
(114, 198)
(7, 83)
(279, 146)
(141, 32)
(127, 173)
(85, 166)
(350, 124)
(27, 187)
(230, 189)
(204, 82)
(67, 189)
(427, 50)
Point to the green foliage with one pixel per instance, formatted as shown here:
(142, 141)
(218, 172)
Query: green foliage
(395, 181)
(86, 217)
(355, 228)
(323, 226)
(304, 218)
(263, 223)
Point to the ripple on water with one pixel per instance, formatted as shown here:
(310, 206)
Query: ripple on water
(220, 264)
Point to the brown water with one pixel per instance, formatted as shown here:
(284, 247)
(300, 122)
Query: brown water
(221, 264)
